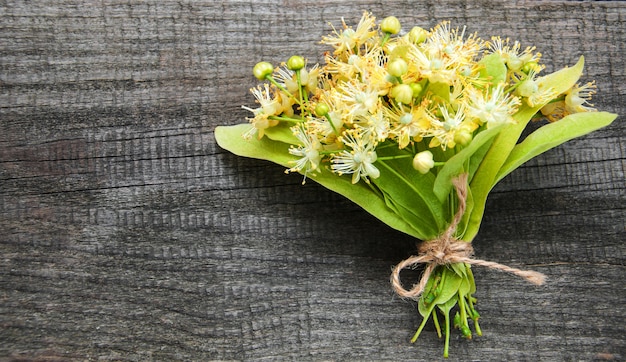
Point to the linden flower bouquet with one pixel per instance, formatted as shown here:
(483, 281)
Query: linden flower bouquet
(416, 129)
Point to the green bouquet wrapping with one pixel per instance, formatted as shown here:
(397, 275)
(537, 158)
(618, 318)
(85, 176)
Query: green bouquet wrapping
(417, 129)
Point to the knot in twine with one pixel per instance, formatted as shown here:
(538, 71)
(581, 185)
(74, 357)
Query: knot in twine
(446, 249)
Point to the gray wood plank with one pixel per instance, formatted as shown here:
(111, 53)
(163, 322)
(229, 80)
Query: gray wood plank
(128, 234)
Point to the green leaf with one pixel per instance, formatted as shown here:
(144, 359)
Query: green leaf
(459, 269)
(465, 286)
(449, 286)
(485, 177)
(445, 290)
(412, 191)
(494, 70)
(470, 278)
(441, 90)
(458, 163)
(282, 133)
(425, 227)
(446, 304)
(423, 308)
(362, 194)
(230, 138)
(552, 135)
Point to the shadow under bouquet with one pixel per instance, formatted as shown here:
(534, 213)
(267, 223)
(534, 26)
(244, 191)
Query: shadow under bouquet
(417, 128)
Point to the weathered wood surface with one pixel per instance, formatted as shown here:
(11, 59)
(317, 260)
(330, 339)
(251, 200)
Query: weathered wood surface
(127, 234)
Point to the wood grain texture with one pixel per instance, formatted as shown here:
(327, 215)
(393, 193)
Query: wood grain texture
(128, 234)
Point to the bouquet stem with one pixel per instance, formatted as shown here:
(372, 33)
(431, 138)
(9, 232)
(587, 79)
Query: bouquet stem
(448, 280)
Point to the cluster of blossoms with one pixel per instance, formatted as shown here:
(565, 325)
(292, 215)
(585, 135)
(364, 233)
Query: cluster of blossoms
(430, 120)
(425, 93)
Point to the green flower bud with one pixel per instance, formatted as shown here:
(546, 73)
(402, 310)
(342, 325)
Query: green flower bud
(423, 162)
(296, 62)
(527, 88)
(262, 70)
(390, 25)
(417, 35)
(417, 89)
(402, 93)
(321, 109)
(466, 332)
(463, 137)
(397, 67)
(530, 66)
(457, 320)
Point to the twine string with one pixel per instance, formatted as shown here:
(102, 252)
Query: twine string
(446, 249)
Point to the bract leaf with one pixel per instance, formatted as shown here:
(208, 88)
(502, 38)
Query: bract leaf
(485, 177)
(552, 135)
(494, 68)
(449, 285)
(458, 163)
(362, 194)
(282, 132)
(413, 191)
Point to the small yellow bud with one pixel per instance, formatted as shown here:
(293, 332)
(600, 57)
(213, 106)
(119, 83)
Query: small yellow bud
(417, 89)
(417, 35)
(262, 70)
(530, 66)
(423, 162)
(296, 62)
(463, 137)
(402, 93)
(527, 88)
(397, 67)
(390, 25)
(321, 109)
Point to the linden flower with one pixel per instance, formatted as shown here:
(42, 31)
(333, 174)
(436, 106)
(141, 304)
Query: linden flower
(287, 78)
(336, 113)
(578, 96)
(309, 151)
(512, 56)
(445, 54)
(374, 125)
(269, 106)
(325, 131)
(435, 67)
(359, 99)
(287, 102)
(450, 43)
(349, 39)
(359, 160)
(574, 101)
(408, 124)
(339, 69)
(373, 72)
(309, 78)
(493, 109)
(532, 91)
(444, 132)
(554, 111)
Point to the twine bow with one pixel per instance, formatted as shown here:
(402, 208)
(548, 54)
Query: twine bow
(446, 249)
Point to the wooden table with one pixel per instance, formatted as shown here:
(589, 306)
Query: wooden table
(128, 234)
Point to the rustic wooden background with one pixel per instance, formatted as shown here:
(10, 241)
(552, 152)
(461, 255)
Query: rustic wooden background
(128, 234)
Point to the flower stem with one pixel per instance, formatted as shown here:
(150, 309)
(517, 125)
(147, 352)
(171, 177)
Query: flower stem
(303, 95)
(437, 326)
(286, 119)
(447, 342)
(386, 158)
(419, 329)
(327, 116)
